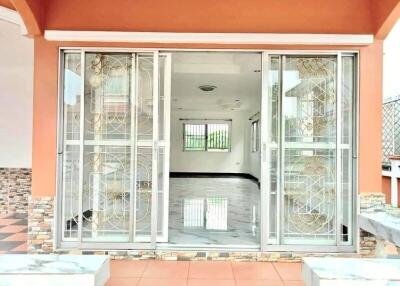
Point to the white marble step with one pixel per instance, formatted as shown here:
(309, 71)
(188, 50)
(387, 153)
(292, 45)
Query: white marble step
(351, 272)
(381, 224)
(59, 270)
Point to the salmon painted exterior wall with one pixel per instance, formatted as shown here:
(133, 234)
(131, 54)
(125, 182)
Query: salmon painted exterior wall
(45, 109)
(279, 16)
(261, 16)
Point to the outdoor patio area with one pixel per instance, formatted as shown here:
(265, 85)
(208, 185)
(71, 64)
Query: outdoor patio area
(198, 273)
(13, 234)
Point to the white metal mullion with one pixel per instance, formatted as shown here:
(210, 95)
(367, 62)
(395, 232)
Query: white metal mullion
(135, 138)
(339, 215)
(61, 147)
(81, 146)
(167, 126)
(132, 196)
(154, 191)
(281, 156)
(265, 176)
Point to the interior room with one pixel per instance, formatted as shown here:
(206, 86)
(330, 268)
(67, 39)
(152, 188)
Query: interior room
(214, 196)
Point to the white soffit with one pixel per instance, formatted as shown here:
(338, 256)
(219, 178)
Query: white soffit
(12, 16)
(209, 38)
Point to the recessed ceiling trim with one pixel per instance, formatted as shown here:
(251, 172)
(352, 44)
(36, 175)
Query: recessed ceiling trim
(210, 38)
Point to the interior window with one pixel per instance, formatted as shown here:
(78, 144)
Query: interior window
(208, 136)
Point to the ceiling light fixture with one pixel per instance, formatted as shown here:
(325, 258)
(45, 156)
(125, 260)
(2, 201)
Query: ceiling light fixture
(207, 88)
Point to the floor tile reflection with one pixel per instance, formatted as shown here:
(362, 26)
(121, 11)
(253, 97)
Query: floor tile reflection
(207, 211)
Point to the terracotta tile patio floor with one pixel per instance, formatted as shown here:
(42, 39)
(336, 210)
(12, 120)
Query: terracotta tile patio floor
(13, 234)
(13, 237)
(199, 273)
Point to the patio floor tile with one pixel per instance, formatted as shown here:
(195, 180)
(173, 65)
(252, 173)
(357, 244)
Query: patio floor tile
(259, 283)
(294, 283)
(123, 281)
(288, 271)
(8, 221)
(167, 269)
(211, 282)
(254, 270)
(9, 245)
(22, 236)
(162, 282)
(20, 248)
(127, 268)
(3, 236)
(13, 228)
(210, 270)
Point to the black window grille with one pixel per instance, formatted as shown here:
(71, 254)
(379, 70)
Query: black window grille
(212, 137)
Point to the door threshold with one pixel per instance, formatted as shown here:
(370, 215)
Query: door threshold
(210, 247)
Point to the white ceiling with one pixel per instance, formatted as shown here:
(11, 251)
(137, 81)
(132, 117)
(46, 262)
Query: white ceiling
(238, 85)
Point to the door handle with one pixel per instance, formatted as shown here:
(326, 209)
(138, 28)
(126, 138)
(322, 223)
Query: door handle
(264, 152)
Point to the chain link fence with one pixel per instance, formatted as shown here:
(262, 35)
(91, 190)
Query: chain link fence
(391, 130)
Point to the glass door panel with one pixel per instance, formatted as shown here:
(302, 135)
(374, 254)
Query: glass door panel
(110, 150)
(107, 144)
(308, 147)
(70, 146)
(144, 129)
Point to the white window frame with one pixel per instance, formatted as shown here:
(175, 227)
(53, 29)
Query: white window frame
(207, 122)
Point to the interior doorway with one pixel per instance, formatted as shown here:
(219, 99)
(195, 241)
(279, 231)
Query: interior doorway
(214, 189)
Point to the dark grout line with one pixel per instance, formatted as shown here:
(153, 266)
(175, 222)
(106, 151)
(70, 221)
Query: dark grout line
(280, 276)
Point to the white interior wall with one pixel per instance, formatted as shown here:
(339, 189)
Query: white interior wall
(253, 159)
(16, 95)
(239, 160)
(209, 162)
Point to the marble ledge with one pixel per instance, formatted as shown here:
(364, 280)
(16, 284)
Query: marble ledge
(351, 272)
(57, 270)
(381, 224)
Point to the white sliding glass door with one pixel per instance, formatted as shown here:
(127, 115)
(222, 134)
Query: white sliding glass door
(112, 174)
(309, 154)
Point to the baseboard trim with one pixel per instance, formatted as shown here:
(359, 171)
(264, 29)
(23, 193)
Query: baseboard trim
(213, 175)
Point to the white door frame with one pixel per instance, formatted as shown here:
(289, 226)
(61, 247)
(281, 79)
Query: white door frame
(264, 246)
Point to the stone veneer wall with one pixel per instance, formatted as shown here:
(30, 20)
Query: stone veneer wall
(15, 188)
(369, 202)
(41, 229)
(40, 224)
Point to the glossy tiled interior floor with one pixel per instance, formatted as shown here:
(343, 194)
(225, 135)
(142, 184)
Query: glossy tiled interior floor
(208, 273)
(13, 234)
(214, 211)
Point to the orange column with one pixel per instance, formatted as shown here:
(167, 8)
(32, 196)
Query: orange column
(370, 136)
(44, 118)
